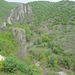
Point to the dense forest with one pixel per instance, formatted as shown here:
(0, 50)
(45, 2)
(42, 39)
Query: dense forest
(37, 38)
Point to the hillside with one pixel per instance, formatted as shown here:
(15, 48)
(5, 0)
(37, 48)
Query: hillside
(7, 42)
(61, 12)
(38, 35)
(5, 7)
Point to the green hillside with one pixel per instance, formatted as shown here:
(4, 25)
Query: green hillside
(7, 42)
(5, 7)
(60, 12)
(50, 39)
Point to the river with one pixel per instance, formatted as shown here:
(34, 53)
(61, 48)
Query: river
(29, 44)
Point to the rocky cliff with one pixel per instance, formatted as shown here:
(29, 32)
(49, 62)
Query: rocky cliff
(21, 15)
(3, 25)
(19, 35)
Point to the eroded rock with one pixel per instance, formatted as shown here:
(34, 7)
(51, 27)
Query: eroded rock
(19, 35)
(3, 25)
(20, 15)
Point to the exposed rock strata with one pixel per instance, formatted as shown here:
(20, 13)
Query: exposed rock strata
(21, 15)
(19, 35)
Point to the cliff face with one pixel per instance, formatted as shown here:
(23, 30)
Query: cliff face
(19, 35)
(3, 25)
(21, 15)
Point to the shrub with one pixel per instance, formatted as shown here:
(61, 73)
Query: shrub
(52, 60)
(52, 73)
(46, 39)
(1, 65)
(57, 51)
(29, 70)
(72, 22)
(35, 70)
(7, 24)
(67, 62)
(10, 65)
(51, 44)
(39, 40)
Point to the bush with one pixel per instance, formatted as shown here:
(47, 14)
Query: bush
(46, 39)
(67, 62)
(1, 65)
(51, 44)
(39, 40)
(57, 51)
(52, 73)
(29, 70)
(10, 65)
(52, 60)
(7, 44)
(7, 24)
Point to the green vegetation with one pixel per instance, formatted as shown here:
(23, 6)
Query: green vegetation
(7, 44)
(60, 12)
(29, 32)
(12, 65)
(5, 7)
(1, 65)
(53, 35)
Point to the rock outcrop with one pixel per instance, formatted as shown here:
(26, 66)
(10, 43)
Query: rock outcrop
(19, 35)
(3, 25)
(1, 57)
(62, 73)
(21, 15)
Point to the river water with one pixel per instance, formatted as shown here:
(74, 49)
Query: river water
(30, 44)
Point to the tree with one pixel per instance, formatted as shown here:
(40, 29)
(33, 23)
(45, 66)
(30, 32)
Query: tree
(10, 65)
(52, 60)
(1, 65)
(39, 40)
(46, 39)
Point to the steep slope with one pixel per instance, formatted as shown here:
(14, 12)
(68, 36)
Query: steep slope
(58, 13)
(21, 15)
(61, 12)
(5, 7)
(48, 29)
(7, 42)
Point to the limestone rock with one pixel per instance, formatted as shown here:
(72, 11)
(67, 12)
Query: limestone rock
(3, 25)
(19, 35)
(20, 15)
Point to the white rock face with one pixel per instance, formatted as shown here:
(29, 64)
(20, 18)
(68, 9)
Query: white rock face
(3, 25)
(19, 35)
(62, 73)
(10, 16)
(20, 15)
(1, 57)
(29, 9)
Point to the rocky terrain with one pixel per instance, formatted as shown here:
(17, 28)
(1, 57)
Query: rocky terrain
(38, 37)
(21, 15)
